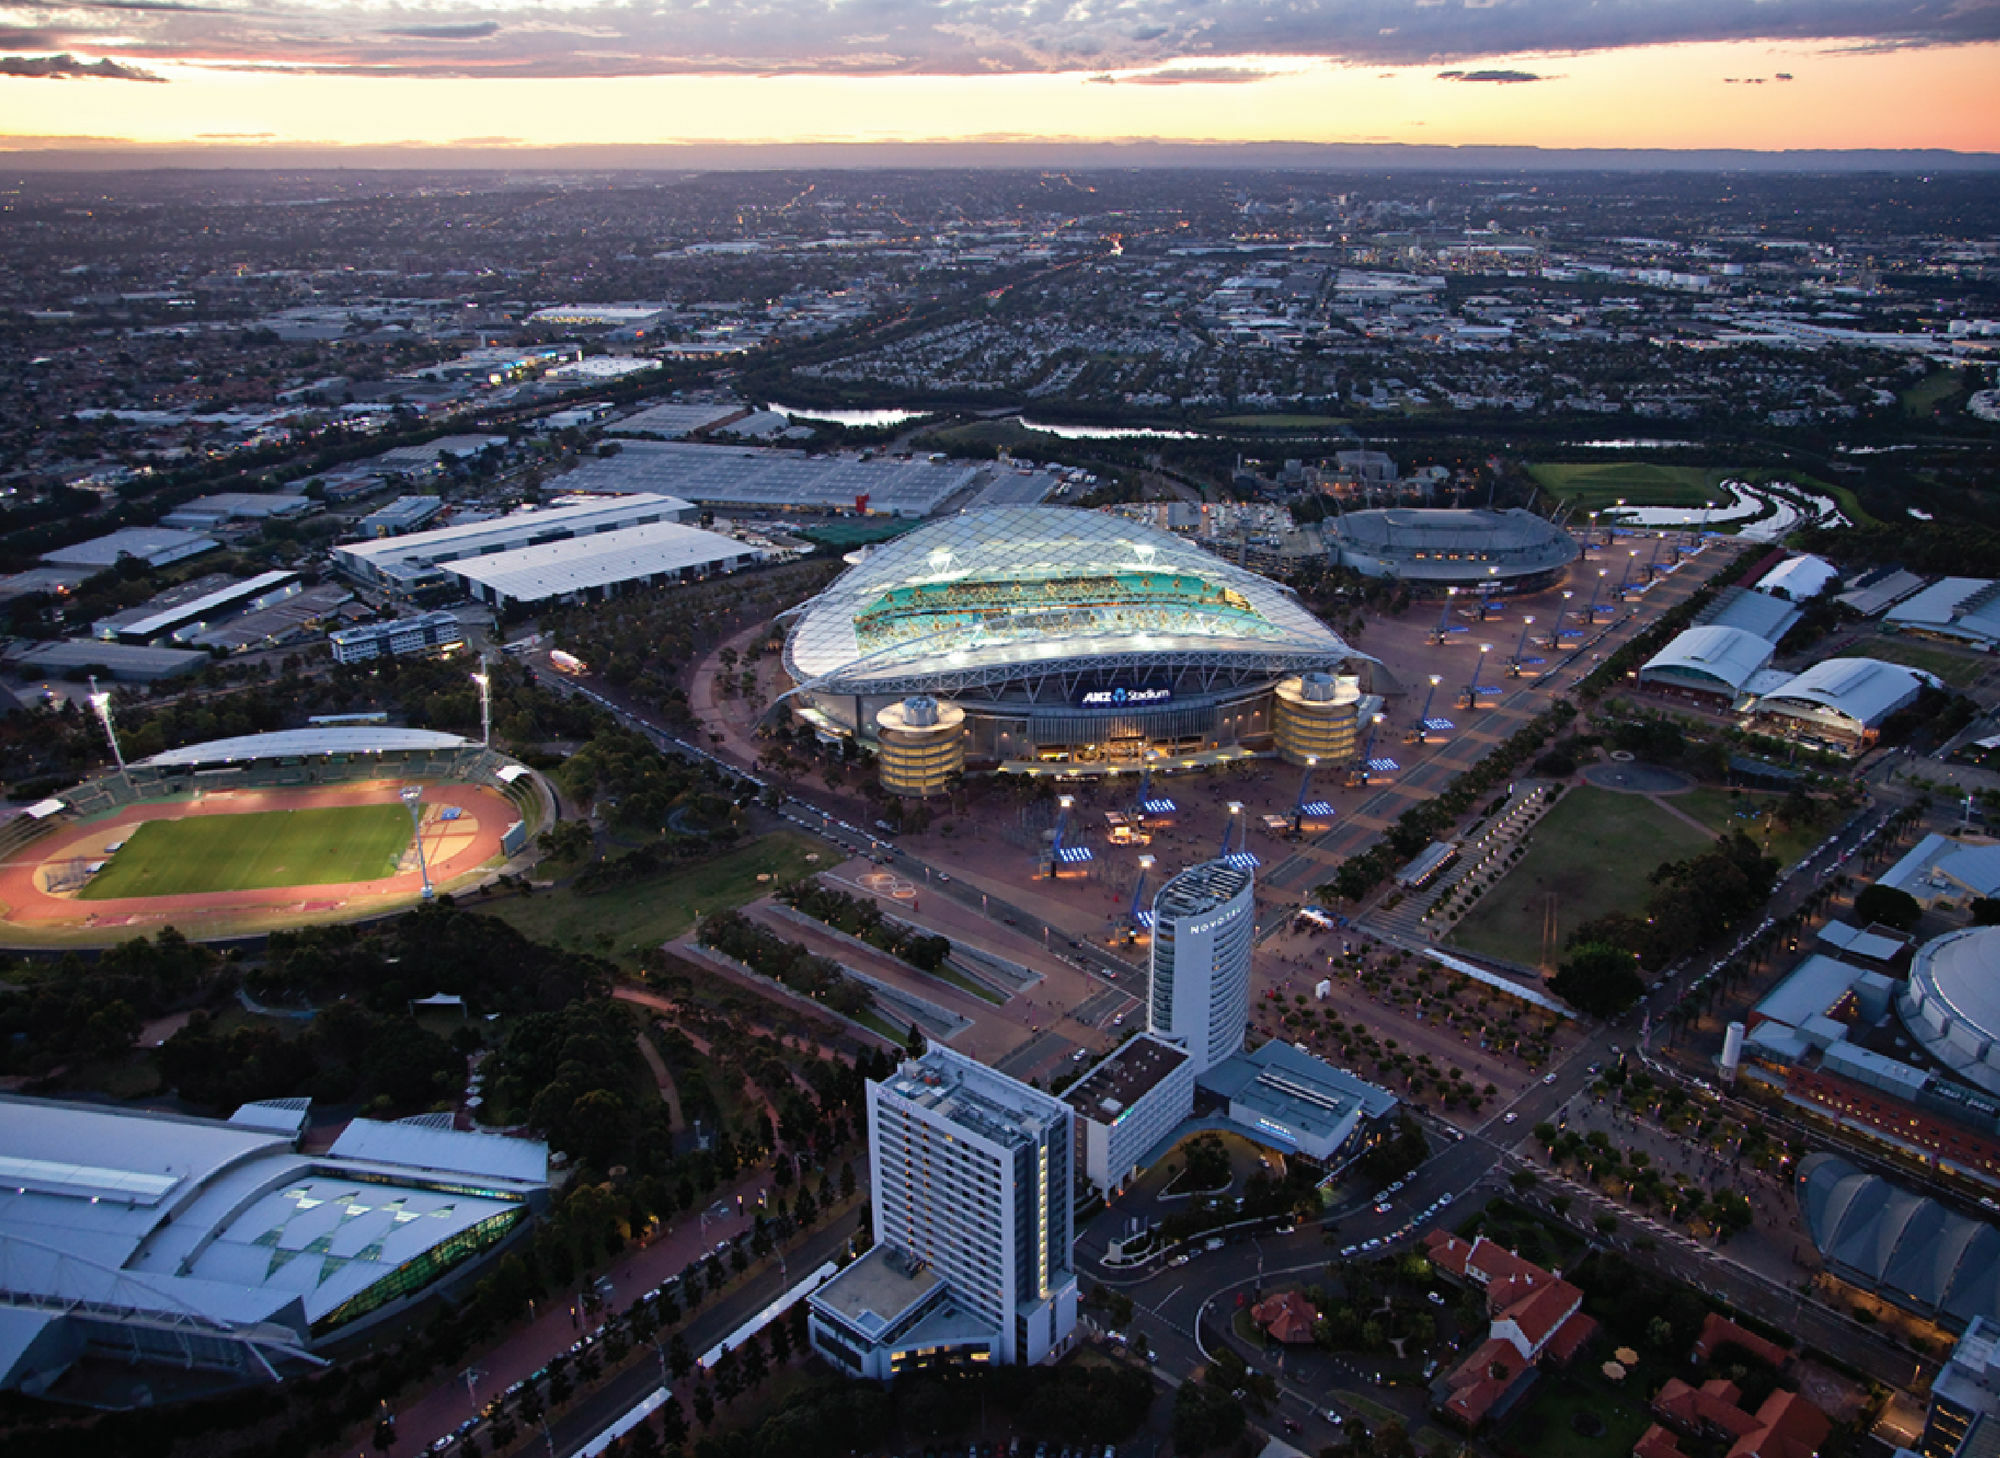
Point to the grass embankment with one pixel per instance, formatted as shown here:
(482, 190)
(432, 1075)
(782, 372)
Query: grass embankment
(1592, 855)
(626, 921)
(260, 851)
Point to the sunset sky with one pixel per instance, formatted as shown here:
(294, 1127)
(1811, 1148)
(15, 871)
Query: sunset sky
(1768, 74)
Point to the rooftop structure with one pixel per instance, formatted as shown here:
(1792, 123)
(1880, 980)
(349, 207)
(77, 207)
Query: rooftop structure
(404, 514)
(1840, 703)
(1878, 591)
(1904, 1246)
(1946, 868)
(1951, 1004)
(183, 615)
(1958, 609)
(672, 421)
(747, 478)
(206, 513)
(1964, 1416)
(1477, 550)
(187, 1246)
(417, 559)
(1291, 1100)
(1710, 660)
(155, 546)
(1801, 578)
(595, 566)
(1753, 611)
(123, 662)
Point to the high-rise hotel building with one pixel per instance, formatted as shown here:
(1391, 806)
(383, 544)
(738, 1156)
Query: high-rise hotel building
(1204, 921)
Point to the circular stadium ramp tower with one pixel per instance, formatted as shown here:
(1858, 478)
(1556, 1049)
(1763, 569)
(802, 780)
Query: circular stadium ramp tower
(1318, 719)
(1065, 638)
(1437, 549)
(920, 746)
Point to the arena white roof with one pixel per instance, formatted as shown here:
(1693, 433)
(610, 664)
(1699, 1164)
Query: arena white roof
(1800, 578)
(1052, 546)
(1864, 690)
(604, 559)
(1727, 655)
(303, 743)
(1952, 1004)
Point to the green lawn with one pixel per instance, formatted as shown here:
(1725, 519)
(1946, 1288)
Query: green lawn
(1724, 810)
(843, 535)
(1954, 667)
(1931, 391)
(631, 919)
(1544, 1424)
(255, 852)
(1593, 485)
(1593, 853)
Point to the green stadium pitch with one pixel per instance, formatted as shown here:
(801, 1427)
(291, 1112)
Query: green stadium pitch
(259, 851)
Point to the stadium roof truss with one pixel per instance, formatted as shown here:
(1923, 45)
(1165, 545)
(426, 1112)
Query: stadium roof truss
(1179, 608)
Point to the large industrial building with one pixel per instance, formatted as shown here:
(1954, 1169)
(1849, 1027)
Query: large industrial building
(1435, 549)
(416, 560)
(145, 1256)
(1712, 666)
(743, 478)
(1905, 1247)
(1839, 704)
(597, 567)
(1204, 925)
(1067, 638)
(970, 1183)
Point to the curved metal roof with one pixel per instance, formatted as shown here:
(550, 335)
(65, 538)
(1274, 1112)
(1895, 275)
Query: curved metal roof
(1727, 655)
(1862, 689)
(1512, 535)
(1906, 1246)
(301, 743)
(1004, 592)
(1958, 976)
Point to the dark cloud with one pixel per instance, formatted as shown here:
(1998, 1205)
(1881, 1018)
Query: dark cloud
(960, 37)
(455, 30)
(1498, 78)
(1190, 76)
(69, 68)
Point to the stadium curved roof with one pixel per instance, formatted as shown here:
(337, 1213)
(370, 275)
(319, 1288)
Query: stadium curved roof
(1725, 657)
(304, 743)
(996, 594)
(1906, 1247)
(1861, 689)
(1457, 539)
(1952, 1002)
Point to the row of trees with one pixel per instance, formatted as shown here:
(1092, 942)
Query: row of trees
(766, 953)
(864, 920)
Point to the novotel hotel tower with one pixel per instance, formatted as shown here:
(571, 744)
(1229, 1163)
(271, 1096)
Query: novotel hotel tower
(1204, 920)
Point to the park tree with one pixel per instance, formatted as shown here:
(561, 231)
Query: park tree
(1887, 906)
(1598, 979)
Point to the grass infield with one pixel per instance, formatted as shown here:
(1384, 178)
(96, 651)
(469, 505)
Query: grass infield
(1593, 854)
(256, 852)
(1594, 485)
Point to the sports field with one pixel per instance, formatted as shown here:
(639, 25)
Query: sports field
(336, 845)
(1593, 485)
(1592, 854)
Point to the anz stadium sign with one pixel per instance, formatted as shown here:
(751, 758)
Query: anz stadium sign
(1123, 697)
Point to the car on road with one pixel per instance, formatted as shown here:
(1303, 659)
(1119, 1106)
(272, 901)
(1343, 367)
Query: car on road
(1383, 1208)
(1550, 1079)
(1511, 1116)
(1180, 1260)
(1434, 1298)
(1333, 1417)
(1214, 1242)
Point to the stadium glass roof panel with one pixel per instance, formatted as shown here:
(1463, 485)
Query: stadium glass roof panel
(1023, 587)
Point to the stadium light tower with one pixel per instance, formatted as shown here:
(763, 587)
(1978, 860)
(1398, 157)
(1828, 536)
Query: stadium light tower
(1590, 613)
(1368, 749)
(1424, 719)
(1521, 648)
(101, 702)
(1555, 628)
(413, 797)
(484, 678)
(1478, 667)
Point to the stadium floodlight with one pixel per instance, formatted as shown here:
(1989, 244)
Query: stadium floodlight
(413, 797)
(101, 701)
(1424, 718)
(1520, 648)
(484, 678)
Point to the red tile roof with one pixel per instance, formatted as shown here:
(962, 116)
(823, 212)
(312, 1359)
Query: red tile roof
(1287, 1317)
(1482, 1379)
(1718, 1331)
(1657, 1442)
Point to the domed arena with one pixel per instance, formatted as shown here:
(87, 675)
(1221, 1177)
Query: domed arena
(1952, 1003)
(1436, 549)
(1048, 636)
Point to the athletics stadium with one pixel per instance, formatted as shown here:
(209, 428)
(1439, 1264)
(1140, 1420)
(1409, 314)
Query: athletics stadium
(1436, 550)
(239, 836)
(1048, 639)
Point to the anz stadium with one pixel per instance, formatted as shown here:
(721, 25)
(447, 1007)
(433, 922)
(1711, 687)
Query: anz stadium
(1026, 638)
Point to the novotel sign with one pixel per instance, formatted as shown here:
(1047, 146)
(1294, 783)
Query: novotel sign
(1123, 697)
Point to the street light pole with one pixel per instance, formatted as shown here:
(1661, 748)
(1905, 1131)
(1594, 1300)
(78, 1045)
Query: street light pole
(413, 797)
(1478, 667)
(484, 678)
(1424, 718)
(1555, 628)
(1521, 648)
(101, 702)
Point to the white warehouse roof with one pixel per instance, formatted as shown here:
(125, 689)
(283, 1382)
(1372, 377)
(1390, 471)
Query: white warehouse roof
(1800, 578)
(603, 559)
(1864, 690)
(1727, 655)
(300, 743)
(509, 533)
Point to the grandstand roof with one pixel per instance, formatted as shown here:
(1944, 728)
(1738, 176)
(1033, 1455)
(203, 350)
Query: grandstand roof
(1908, 1247)
(1005, 592)
(1862, 689)
(305, 743)
(1725, 656)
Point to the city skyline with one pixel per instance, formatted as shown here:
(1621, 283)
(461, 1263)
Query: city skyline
(493, 76)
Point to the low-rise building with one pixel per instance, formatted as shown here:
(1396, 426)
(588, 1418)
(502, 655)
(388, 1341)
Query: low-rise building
(1711, 665)
(1962, 610)
(1535, 1317)
(1839, 704)
(155, 546)
(404, 514)
(1126, 1105)
(428, 633)
(1290, 1100)
(1963, 1419)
